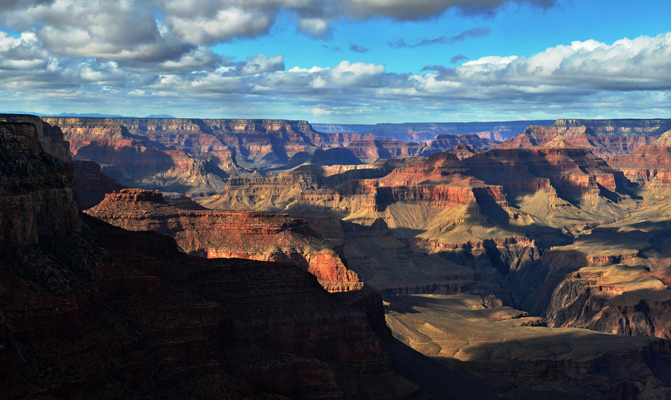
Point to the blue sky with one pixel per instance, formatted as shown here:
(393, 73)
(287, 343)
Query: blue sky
(341, 61)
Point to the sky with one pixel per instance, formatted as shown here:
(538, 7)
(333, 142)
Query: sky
(338, 61)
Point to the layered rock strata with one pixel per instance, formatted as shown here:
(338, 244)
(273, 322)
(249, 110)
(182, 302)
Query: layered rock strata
(50, 136)
(38, 198)
(89, 310)
(603, 140)
(232, 234)
(649, 165)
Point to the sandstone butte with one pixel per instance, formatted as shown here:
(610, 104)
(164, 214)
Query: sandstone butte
(231, 234)
(90, 310)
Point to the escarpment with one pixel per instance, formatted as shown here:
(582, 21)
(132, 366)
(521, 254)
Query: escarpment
(507, 222)
(650, 165)
(50, 136)
(602, 137)
(89, 310)
(232, 234)
(38, 199)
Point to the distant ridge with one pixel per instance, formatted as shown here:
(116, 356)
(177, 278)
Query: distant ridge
(425, 131)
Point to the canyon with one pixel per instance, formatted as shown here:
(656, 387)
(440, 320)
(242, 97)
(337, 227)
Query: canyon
(334, 265)
(89, 310)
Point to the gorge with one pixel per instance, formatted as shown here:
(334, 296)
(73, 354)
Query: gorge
(333, 265)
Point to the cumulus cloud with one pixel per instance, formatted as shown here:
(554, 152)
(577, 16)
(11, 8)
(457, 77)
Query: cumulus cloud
(159, 30)
(70, 52)
(471, 33)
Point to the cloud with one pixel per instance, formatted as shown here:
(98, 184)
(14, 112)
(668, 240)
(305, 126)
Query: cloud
(475, 32)
(404, 10)
(457, 58)
(154, 61)
(159, 30)
(358, 49)
(261, 64)
(319, 111)
(334, 48)
(442, 73)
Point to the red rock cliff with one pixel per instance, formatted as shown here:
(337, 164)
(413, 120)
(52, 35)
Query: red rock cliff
(231, 234)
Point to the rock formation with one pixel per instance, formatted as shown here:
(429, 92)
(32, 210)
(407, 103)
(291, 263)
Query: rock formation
(38, 198)
(191, 156)
(92, 184)
(649, 165)
(231, 234)
(89, 310)
(605, 139)
(430, 131)
(50, 137)
(507, 222)
(455, 142)
(529, 359)
(371, 150)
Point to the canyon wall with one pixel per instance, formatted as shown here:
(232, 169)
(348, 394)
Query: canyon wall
(602, 137)
(231, 234)
(37, 191)
(89, 310)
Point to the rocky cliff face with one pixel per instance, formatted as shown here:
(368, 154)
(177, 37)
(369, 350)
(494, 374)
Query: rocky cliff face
(619, 127)
(457, 142)
(649, 165)
(50, 136)
(232, 234)
(88, 310)
(529, 359)
(191, 156)
(37, 193)
(570, 169)
(92, 184)
(371, 150)
(603, 138)
(515, 223)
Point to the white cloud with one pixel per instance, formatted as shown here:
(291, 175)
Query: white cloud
(319, 111)
(81, 54)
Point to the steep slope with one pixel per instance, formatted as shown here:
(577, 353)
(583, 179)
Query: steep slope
(371, 150)
(92, 184)
(530, 360)
(452, 142)
(515, 223)
(429, 131)
(605, 139)
(190, 156)
(89, 310)
(38, 198)
(50, 137)
(231, 234)
(649, 165)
